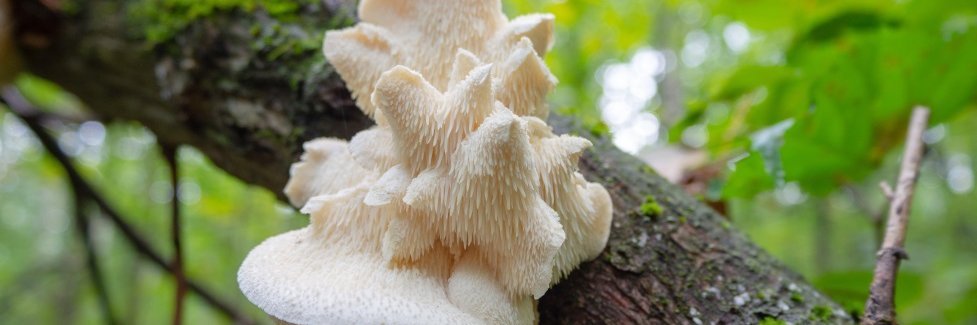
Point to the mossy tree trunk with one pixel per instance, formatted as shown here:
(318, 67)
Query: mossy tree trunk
(248, 87)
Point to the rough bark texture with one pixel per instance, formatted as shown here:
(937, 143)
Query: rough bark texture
(219, 85)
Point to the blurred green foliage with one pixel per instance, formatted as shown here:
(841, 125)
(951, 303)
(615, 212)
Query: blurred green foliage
(43, 278)
(852, 71)
(803, 104)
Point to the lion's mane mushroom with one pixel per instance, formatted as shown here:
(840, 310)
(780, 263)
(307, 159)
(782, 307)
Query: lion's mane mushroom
(461, 206)
(423, 35)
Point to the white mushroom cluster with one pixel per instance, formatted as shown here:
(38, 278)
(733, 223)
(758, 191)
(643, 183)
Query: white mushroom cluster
(461, 206)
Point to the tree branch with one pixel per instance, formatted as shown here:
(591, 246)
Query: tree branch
(214, 87)
(91, 257)
(32, 117)
(245, 126)
(170, 156)
(880, 307)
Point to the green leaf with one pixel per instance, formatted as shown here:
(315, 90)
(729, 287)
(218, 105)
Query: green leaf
(746, 79)
(748, 177)
(832, 143)
(767, 142)
(854, 20)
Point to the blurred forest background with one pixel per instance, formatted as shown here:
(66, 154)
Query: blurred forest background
(784, 114)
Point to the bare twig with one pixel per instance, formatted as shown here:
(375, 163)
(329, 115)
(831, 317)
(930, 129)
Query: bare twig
(170, 155)
(32, 118)
(91, 258)
(880, 307)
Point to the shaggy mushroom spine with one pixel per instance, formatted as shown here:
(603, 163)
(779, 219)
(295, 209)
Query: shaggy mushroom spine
(461, 205)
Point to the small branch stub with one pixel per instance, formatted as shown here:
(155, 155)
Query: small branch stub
(886, 190)
(880, 307)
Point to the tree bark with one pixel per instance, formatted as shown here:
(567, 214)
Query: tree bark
(222, 85)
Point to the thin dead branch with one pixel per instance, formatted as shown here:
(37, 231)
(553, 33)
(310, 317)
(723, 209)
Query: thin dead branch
(170, 155)
(83, 226)
(880, 307)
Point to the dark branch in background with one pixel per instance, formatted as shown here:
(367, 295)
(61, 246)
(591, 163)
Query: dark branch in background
(32, 118)
(170, 155)
(91, 257)
(880, 307)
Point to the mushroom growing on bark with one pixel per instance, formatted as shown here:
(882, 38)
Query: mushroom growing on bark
(461, 205)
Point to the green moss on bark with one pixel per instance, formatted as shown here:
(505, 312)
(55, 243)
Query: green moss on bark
(163, 19)
(650, 207)
(772, 321)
